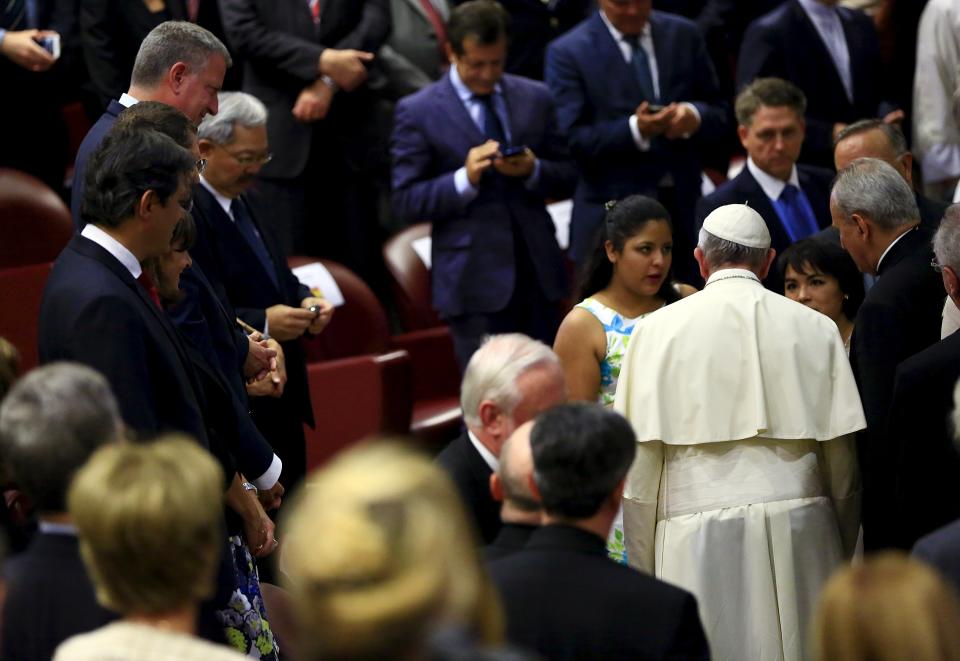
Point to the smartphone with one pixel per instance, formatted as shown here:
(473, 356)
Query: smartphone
(51, 44)
(654, 108)
(514, 150)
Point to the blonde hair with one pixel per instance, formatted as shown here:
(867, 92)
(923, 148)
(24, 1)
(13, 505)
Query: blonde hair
(149, 519)
(888, 608)
(377, 550)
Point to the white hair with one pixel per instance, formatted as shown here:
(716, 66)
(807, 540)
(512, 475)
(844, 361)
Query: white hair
(234, 108)
(873, 188)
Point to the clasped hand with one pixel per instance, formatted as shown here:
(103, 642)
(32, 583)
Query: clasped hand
(483, 157)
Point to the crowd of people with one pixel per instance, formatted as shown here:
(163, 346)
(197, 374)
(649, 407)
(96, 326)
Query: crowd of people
(720, 443)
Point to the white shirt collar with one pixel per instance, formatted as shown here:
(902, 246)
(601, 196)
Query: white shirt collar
(114, 247)
(892, 244)
(126, 100)
(461, 88)
(490, 459)
(772, 187)
(51, 528)
(733, 274)
(221, 199)
(818, 11)
(619, 36)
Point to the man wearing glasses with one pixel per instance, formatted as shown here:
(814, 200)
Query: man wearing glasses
(876, 214)
(243, 260)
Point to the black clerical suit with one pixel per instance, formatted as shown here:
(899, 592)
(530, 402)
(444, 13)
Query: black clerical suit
(471, 475)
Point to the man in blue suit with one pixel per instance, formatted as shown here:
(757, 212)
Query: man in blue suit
(829, 52)
(635, 93)
(794, 200)
(477, 153)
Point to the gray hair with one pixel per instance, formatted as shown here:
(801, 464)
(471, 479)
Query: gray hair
(50, 423)
(892, 132)
(172, 42)
(234, 108)
(946, 242)
(493, 371)
(874, 189)
(719, 252)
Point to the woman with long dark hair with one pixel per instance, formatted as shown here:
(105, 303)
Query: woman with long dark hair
(627, 277)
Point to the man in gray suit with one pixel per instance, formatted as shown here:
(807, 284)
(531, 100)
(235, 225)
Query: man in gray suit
(415, 54)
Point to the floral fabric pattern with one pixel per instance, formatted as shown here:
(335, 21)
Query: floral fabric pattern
(245, 621)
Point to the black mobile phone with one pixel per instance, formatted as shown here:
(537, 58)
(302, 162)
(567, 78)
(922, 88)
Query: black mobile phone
(654, 107)
(514, 150)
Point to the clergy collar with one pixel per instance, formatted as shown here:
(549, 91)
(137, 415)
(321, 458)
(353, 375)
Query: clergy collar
(732, 274)
(892, 244)
(126, 100)
(771, 186)
(488, 457)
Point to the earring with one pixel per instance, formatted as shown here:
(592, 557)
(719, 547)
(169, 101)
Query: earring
(846, 297)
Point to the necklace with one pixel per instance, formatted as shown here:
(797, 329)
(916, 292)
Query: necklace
(733, 276)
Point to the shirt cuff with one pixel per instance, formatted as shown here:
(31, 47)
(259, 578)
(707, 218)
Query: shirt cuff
(642, 143)
(267, 481)
(3, 33)
(266, 328)
(533, 181)
(696, 113)
(941, 162)
(465, 189)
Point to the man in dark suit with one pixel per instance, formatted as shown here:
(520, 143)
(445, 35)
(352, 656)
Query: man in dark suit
(920, 425)
(307, 61)
(876, 215)
(51, 422)
(830, 53)
(477, 153)
(180, 64)
(415, 55)
(941, 550)
(793, 200)
(510, 485)
(557, 590)
(610, 76)
(509, 380)
(244, 263)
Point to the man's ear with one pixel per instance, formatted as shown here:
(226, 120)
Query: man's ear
(496, 488)
(951, 282)
(742, 132)
(147, 203)
(864, 226)
(176, 75)
(451, 55)
(702, 262)
(490, 416)
(205, 147)
(765, 269)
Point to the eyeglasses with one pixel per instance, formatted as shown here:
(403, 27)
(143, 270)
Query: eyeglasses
(936, 266)
(246, 160)
(201, 165)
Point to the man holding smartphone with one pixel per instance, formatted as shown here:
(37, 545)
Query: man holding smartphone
(477, 153)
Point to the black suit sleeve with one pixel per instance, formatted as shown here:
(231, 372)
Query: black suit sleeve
(372, 30)
(98, 27)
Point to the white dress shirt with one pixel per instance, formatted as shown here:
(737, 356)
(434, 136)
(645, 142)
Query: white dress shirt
(826, 20)
(114, 247)
(488, 457)
(771, 186)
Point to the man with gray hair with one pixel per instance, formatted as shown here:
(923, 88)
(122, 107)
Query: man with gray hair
(510, 379)
(242, 258)
(180, 64)
(745, 480)
(922, 449)
(876, 214)
(50, 423)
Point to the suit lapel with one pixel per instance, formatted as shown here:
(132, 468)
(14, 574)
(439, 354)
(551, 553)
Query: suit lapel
(608, 52)
(663, 57)
(451, 104)
(417, 7)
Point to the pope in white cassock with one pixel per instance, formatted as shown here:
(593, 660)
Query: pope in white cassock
(745, 488)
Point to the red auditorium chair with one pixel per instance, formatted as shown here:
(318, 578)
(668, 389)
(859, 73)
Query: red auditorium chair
(34, 221)
(410, 279)
(20, 291)
(360, 327)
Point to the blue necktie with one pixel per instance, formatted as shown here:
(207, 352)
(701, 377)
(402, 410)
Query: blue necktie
(245, 224)
(13, 14)
(641, 68)
(796, 214)
(492, 127)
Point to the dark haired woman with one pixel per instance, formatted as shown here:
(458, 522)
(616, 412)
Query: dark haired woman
(823, 277)
(626, 278)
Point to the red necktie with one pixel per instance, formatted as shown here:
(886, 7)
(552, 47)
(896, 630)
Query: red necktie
(315, 11)
(438, 27)
(147, 283)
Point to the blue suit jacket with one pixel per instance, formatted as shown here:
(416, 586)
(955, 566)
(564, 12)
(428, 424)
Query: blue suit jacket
(95, 313)
(596, 92)
(744, 189)
(785, 44)
(473, 267)
(89, 145)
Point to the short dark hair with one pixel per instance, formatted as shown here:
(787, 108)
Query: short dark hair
(484, 20)
(159, 117)
(830, 259)
(128, 163)
(581, 452)
(892, 132)
(769, 92)
(623, 220)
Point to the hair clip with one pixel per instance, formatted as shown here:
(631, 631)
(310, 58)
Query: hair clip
(609, 204)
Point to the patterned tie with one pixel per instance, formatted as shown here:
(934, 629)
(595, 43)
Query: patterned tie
(796, 214)
(147, 283)
(641, 67)
(492, 127)
(245, 224)
(13, 14)
(314, 11)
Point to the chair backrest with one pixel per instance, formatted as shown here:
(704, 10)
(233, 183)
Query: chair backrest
(34, 221)
(21, 289)
(358, 327)
(410, 279)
